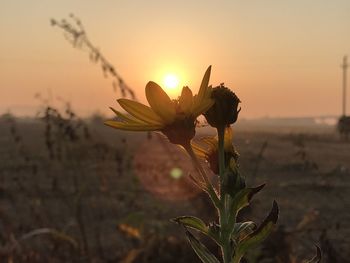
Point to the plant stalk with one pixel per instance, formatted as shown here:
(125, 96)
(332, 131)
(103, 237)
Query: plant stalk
(224, 210)
(209, 187)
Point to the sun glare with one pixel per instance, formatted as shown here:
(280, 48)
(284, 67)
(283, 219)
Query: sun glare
(171, 81)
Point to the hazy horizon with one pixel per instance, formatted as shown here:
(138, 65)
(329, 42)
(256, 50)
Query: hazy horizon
(282, 59)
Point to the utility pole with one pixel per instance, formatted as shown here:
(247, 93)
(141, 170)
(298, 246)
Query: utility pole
(344, 66)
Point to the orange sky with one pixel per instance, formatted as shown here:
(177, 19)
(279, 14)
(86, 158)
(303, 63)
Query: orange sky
(282, 58)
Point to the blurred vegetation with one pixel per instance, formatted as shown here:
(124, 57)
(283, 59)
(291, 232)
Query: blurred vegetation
(69, 193)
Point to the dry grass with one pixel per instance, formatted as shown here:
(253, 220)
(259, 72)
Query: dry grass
(110, 195)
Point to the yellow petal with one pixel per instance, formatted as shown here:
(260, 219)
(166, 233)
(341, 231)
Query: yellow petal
(160, 102)
(140, 111)
(132, 126)
(211, 141)
(198, 150)
(200, 108)
(208, 91)
(203, 90)
(125, 117)
(186, 100)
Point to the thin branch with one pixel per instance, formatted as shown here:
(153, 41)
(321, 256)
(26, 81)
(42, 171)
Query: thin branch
(75, 34)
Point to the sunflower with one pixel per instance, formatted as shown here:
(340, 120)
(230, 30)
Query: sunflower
(174, 118)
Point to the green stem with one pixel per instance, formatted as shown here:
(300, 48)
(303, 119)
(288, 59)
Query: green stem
(221, 135)
(209, 187)
(224, 213)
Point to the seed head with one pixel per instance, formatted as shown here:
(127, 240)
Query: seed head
(225, 109)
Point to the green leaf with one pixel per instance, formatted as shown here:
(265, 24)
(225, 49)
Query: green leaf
(317, 257)
(241, 200)
(262, 232)
(242, 229)
(192, 222)
(202, 252)
(213, 230)
(244, 196)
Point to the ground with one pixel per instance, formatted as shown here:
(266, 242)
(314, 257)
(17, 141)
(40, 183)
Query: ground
(110, 195)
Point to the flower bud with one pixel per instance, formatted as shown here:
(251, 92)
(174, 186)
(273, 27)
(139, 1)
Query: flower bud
(233, 181)
(225, 109)
(212, 159)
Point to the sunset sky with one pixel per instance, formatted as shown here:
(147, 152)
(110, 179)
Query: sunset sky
(282, 58)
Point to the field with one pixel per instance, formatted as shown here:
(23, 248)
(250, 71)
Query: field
(73, 191)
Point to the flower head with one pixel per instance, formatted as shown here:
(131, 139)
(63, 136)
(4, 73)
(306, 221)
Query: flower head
(225, 109)
(175, 118)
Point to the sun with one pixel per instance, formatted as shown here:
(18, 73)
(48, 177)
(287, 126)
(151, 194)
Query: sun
(171, 79)
(171, 82)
